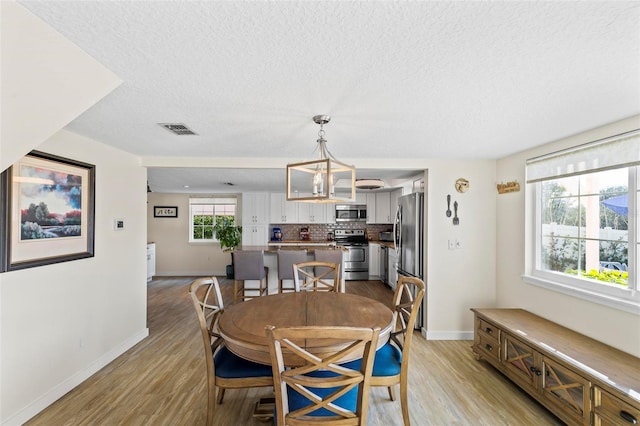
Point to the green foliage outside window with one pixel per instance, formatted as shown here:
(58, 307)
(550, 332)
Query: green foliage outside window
(202, 227)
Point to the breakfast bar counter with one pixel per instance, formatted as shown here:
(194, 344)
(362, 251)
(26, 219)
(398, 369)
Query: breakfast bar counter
(271, 256)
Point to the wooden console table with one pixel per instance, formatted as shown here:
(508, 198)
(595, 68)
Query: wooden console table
(580, 380)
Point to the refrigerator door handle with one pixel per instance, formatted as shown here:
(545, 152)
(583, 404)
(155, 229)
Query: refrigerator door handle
(397, 233)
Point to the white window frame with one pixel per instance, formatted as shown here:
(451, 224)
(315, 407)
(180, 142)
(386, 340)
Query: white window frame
(625, 299)
(226, 200)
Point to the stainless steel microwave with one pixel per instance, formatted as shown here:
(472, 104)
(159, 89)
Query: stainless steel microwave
(351, 213)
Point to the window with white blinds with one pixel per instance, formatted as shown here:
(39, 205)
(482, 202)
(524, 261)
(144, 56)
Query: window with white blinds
(586, 231)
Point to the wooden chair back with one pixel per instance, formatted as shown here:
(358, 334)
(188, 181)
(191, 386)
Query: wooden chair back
(207, 301)
(406, 304)
(317, 276)
(333, 255)
(309, 394)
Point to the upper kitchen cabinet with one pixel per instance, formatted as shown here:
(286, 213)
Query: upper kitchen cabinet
(393, 207)
(313, 212)
(255, 208)
(379, 208)
(383, 207)
(371, 208)
(283, 211)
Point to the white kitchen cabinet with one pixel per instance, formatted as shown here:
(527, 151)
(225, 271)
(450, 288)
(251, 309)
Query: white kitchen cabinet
(255, 235)
(283, 211)
(151, 261)
(255, 208)
(383, 207)
(312, 212)
(361, 198)
(371, 208)
(374, 261)
(330, 213)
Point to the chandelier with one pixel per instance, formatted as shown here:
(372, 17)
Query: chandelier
(325, 180)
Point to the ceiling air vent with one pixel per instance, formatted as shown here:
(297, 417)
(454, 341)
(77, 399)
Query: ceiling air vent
(178, 129)
(369, 183)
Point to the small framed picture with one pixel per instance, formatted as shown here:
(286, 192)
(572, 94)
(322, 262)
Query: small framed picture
(165, 211)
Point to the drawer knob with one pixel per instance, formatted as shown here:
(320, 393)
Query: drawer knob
(489, 330)
(488, 347)
(627, 416)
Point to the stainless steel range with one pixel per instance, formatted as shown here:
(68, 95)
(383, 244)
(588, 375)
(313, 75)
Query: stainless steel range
(356, 259)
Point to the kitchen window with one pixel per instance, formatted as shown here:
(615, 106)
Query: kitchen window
(585, 231)
(203, 213)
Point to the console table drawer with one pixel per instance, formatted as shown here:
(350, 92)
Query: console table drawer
(609, 410)
(489, 347)
(489, 331)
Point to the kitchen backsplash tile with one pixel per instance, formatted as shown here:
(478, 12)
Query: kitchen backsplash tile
(319, 232)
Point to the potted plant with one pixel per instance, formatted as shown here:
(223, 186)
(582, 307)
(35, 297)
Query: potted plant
(229, 234)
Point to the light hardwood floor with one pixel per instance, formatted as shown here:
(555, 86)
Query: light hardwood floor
(161, 380)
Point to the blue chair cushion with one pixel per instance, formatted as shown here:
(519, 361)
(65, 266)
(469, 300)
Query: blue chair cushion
(387, 362)
(230, 366)
(348, 401)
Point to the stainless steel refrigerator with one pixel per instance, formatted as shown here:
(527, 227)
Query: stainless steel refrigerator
(409, 239)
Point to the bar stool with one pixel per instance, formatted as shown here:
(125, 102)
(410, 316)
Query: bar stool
(332, 256)
(249, 265)
(286, 259)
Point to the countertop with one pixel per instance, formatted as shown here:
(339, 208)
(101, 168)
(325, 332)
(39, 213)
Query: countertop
(301, 246)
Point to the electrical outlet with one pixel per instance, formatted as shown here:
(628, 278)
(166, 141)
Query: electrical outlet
(452, 244)
(458, 244)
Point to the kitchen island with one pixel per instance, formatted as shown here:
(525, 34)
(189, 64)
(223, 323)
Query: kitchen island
(271, 256)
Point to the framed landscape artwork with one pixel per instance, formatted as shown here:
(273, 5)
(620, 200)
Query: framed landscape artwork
(48, 211)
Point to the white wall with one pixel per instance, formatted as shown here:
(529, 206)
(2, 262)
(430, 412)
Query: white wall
(175, 256)
(46, 81)
(611, 326)
(61, 323)
(458, 280)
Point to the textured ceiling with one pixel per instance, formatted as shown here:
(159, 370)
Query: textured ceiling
(400, 79)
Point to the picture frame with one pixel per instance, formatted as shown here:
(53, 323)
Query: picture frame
(48, 211)
(165, 211)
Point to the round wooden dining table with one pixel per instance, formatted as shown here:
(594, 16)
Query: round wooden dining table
(242, 325)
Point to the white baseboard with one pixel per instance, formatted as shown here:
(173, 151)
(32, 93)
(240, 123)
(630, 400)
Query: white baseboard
(447, 335)
(190, 273)
(71, 382)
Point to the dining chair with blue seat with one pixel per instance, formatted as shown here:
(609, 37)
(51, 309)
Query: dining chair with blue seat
(319, 390)
(391, 364)
(224, 369)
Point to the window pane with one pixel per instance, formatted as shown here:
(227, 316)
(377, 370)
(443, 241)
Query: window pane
(584, 223)
(203, 217)
(559, 254)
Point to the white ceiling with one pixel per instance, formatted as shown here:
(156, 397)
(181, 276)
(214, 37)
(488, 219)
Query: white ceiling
(401, 80)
